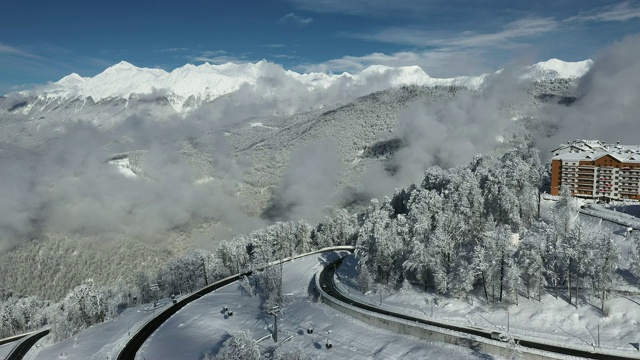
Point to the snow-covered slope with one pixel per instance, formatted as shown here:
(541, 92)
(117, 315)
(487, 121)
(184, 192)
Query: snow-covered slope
(556, 69)
(192, 84)
(188, 87)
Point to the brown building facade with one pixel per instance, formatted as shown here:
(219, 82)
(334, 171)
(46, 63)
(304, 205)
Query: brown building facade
(592, 169)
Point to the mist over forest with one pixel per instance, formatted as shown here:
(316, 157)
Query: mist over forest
(248, 159)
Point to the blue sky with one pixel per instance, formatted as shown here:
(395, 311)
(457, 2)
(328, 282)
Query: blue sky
(42, 41)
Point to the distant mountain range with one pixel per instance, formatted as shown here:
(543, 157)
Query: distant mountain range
(188, 87)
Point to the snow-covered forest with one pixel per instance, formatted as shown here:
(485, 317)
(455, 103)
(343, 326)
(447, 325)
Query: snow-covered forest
(473, 228)
(89, 303)
(477, 228)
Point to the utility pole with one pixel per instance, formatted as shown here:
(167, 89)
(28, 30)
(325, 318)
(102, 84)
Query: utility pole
(274, 311)
(539, 201)
(155, 288)
(275, 327)
(204, 271)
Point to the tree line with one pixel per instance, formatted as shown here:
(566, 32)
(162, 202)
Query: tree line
(465, 229)
(90, 303)
(477, 228)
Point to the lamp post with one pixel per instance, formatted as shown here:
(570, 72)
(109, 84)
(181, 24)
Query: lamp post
(274, 311)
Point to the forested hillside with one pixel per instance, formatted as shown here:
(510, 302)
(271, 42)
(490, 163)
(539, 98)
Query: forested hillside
(200, 190)
(453, 233)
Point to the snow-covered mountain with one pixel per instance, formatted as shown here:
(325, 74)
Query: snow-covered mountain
(554, 69)
(189, 86)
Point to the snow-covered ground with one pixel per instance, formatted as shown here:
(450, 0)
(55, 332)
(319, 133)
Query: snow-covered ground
(625, 212)
(124, 167)
(102, 341)
(201, 327)
(6, 349)
(552, 319)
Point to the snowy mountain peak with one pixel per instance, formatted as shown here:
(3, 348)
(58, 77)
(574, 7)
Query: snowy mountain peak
(70, 80)
(189, 86)
(123, 65)
(554, 68)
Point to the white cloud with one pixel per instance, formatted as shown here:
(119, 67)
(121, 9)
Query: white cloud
(359, 7)
(222, 59)
(292, 18)
(445, 54)
(216, 57)
(522, 28)
(621, 12)
(175, 49)
(12, 50)
(285, 56)
(437, 63)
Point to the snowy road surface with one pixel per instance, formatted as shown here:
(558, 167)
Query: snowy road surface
(201, 327)
(5, 349)
(102, 341)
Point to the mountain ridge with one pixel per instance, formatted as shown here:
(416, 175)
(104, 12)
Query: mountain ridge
(189, 86)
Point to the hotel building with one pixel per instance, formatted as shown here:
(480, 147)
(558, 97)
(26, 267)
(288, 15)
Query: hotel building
(593, 169)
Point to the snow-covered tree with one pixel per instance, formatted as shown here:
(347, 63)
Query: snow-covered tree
(496, 262)
(336, 229)
(142, 289)
(565, 213)
(531, 264)
(240, 346)
(635, 240)
(21, 314)
(579, 256)
(234, 254)
(85, 305)
(604, 265)
(296, 354)
(376, 245)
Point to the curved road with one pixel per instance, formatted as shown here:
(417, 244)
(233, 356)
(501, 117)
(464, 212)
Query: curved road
(18, 352)
(129, 351)
(326, 281)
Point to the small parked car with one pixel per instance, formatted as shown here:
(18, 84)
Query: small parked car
(499, 336)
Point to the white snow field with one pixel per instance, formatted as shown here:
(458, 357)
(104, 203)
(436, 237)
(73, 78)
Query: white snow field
(102, 341)
(201, 327)
(549, 319)
(6, 349)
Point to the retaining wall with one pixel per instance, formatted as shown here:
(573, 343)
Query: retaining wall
(432, 333)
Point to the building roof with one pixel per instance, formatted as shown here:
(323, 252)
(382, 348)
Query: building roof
(591, 150)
